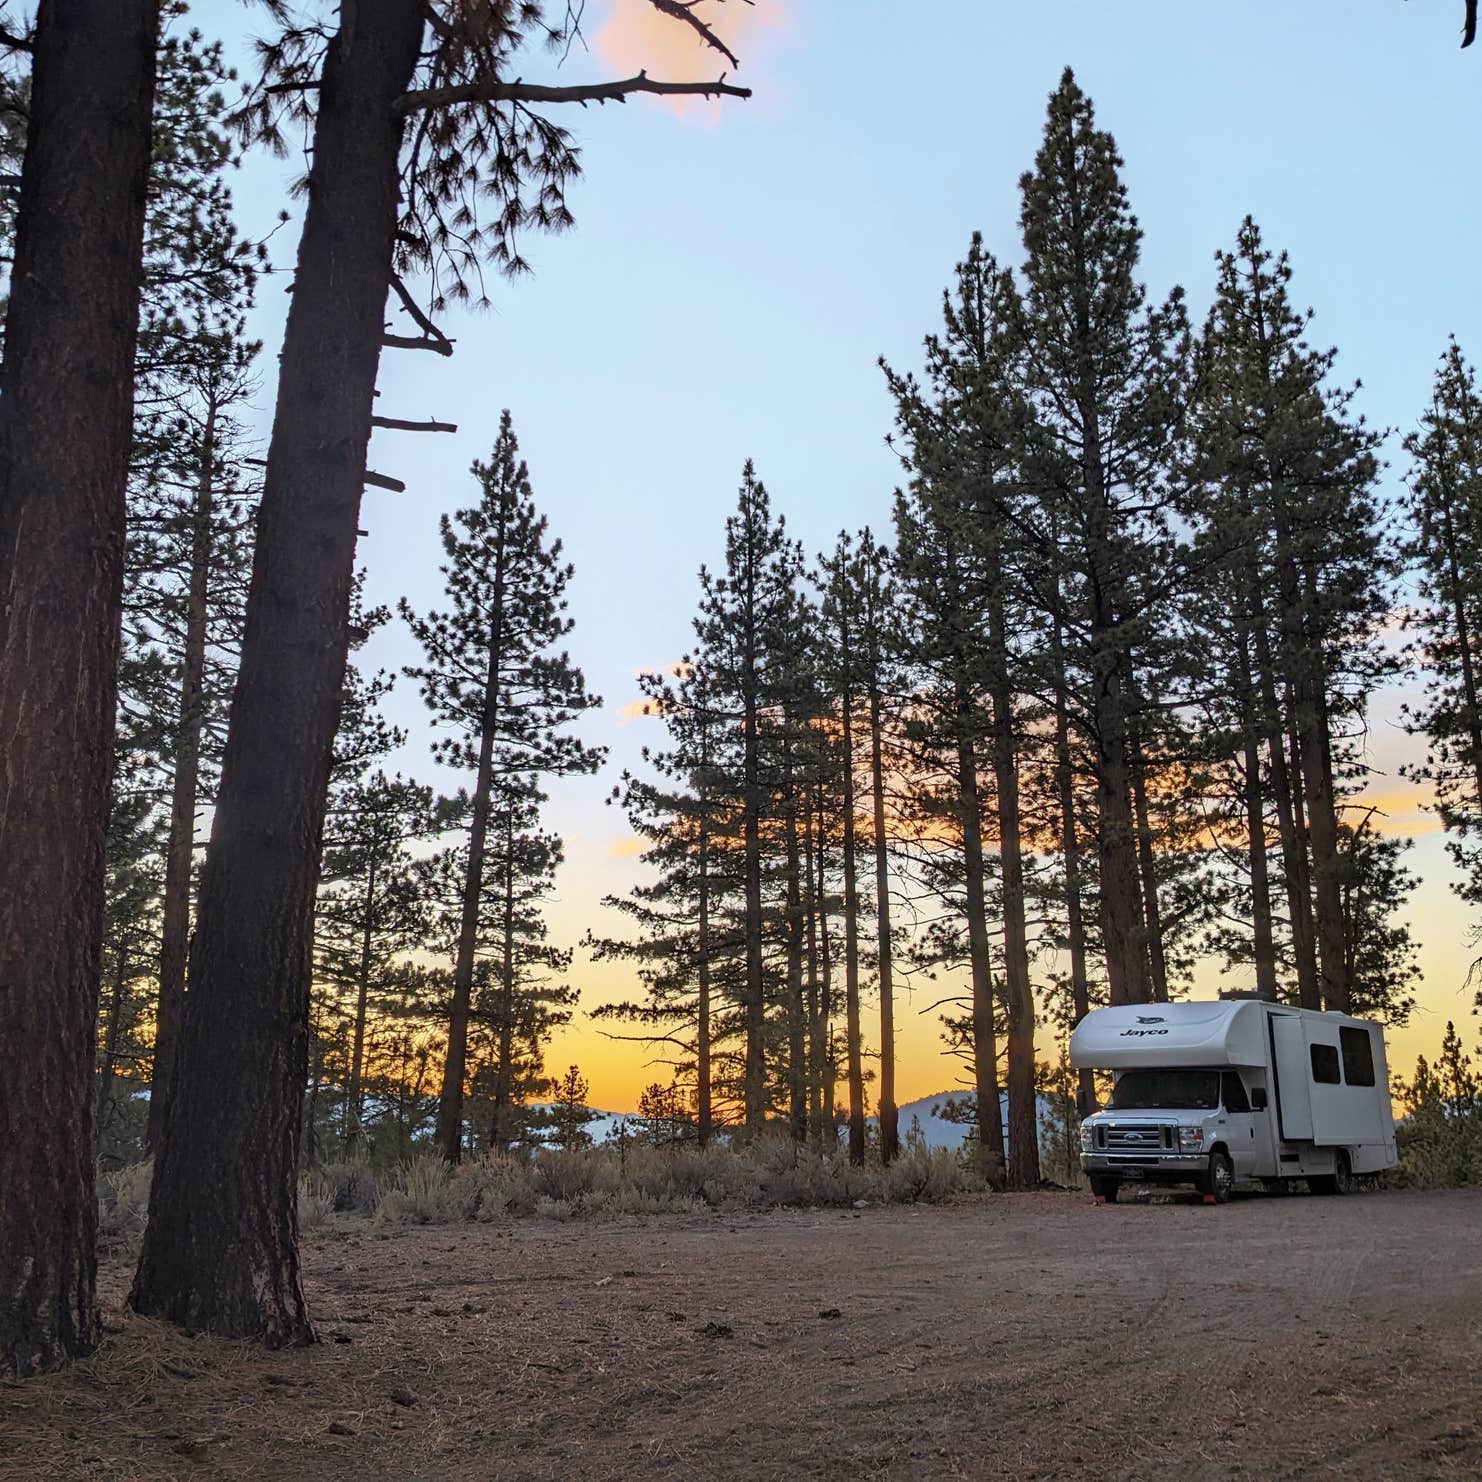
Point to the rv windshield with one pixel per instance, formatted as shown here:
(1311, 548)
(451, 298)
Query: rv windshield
(1144, 1090)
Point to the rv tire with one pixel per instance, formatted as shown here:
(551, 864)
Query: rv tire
(1220, 1179)
(1106, 1188)
(1339, 1181)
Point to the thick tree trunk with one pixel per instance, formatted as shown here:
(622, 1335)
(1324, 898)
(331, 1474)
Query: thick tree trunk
(852, 1048)
(1023, 1167)
(797, 1029)
(1327, 865)
(703, 1114)
(814, 999)
(228, 1262)
(66, 401)
(754, 1070)
(1288, 821)
(1070, 853)
(1147, 865)
(889, 1115)
(180, 851)
(1262, 931)
(985, 1040)
(823, 1044)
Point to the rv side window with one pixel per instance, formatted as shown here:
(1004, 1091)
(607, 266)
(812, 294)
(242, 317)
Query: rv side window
(1325, 1065)
(1235, 1097)
(1358, 1056)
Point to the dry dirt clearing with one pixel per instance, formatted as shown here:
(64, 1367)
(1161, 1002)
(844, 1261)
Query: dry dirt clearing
(1022, 1337)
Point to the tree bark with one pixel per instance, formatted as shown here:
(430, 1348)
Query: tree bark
(1023, 1164)
(754, 1070)
(227, 1262)
(985, 1040)
(66, 403)
(1262, 931)
(1147, 865)
(852, 1048)
(180, 851)
(449, 1132)
(797, 1029)
(354, 1096)
(1070, 853)
(889, 1114)
(1293, 841)
(703, 1113)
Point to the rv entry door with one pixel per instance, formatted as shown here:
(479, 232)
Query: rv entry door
(1293, 1078)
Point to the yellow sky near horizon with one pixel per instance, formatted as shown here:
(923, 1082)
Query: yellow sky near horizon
(605, 858)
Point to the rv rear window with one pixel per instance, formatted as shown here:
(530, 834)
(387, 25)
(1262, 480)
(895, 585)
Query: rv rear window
(1325, 1065)
(1358, 1056)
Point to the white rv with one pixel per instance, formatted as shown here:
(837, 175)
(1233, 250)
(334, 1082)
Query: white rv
(1216, 1094)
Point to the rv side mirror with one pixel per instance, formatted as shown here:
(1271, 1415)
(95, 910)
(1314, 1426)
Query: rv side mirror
(1082, 1103)
(1258, 1098)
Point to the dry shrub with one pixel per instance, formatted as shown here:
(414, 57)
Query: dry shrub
(423, 1191)
(123, 1201)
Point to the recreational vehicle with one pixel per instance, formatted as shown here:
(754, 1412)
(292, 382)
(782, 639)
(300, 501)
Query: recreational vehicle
(1216, 1094)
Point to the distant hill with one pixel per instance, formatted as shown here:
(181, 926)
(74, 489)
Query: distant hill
(938, 1132)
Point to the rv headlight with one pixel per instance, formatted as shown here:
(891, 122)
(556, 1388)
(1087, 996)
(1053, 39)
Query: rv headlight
(1190, 1139)
(1088, 1137)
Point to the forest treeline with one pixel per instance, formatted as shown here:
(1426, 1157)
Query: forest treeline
(1089, 714)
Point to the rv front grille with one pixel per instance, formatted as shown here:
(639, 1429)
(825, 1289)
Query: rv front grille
(1138, 1139)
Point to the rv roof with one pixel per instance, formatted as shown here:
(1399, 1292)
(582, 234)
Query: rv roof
(1154, 1034)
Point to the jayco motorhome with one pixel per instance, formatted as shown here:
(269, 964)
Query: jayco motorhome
(1216, 1094)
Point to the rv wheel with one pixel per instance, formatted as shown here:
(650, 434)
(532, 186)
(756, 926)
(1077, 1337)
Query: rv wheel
(1339, 1181)
(1220, 1179)
(1343, 1179)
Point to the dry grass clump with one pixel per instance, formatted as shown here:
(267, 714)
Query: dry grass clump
(123, 1202)
(609, 1181)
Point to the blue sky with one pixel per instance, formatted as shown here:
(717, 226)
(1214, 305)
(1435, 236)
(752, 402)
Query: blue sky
(735, 272)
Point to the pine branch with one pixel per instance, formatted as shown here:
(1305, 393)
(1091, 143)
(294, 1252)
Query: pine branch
(399, 424)
(419, 316)
(531, 92)
(683, 10)
(16, 42)
(417, 342)
(1469, 26)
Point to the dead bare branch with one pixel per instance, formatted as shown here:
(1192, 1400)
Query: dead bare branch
(597, 92)
(401, 425)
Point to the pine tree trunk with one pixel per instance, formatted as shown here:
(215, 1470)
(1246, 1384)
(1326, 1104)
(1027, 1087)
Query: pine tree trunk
(824, 1033)
(1463, 637)
(504, 1071)
(889, 1115)
(703, 1113)
(1327, 866)
(754, 1071)
(449, 1132)
(1070, 852)
(180, 851)
(1148, 869)
(108, 1070)
(797, 1036)
(1293, 840)
(1262, 930)
(354, 1097)
(229, 1263)
(1023, 1165)
(985, 1041)
(815, 1038)
(66, 401)
(852, 1048)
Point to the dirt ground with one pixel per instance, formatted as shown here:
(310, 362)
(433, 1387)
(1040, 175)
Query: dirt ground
(1034, 1336)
